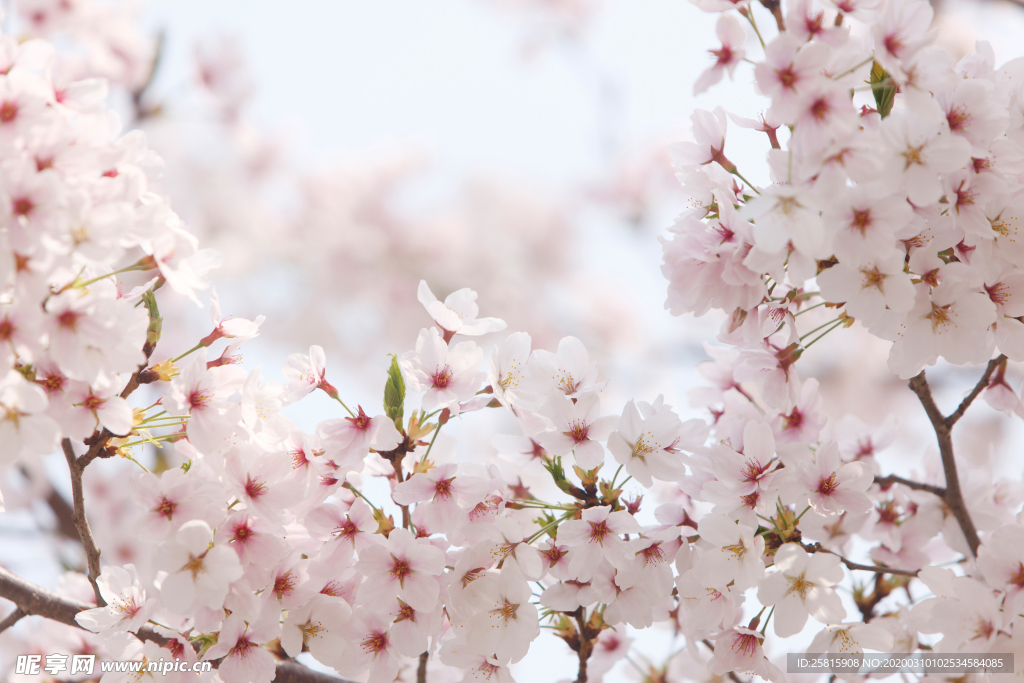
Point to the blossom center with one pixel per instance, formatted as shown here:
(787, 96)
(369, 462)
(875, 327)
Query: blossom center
(861, 220)
(578, 431)
(166, 507)
(243, 647)
(958, 118)
(361, 420)
(799, 585)
(194, 565)
(787, 77)
(443, 488)
(746, 644)
(400, 570)
(8, 111)
(873, 278)
(507, 611)
(998, 293)
(912, 156)
(653, 554)
(826, 485)
(254, 488)
(405, 613)
(243, 532)
(750, 500)
(939, 316)
(311, 630)
(442, 377)
(375, 642)
(68, 320)
(598, 531)
(198, 398)
(284, 585)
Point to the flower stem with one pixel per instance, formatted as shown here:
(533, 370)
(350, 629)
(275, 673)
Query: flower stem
(838, 323)
(198, 346)
(347, 410)
(808, 334)
(359, 493)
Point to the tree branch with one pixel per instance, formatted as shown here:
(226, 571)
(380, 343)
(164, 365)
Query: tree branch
(585, 647)
(421, 671)
(891, 479)
(878, 569)
(978, 388)
(11, 619)
(33, 600)
(92, 551)
(943, 426)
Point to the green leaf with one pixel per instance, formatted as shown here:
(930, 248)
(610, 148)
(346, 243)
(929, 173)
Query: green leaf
(394, 393)
(155, 323)
(883, 89)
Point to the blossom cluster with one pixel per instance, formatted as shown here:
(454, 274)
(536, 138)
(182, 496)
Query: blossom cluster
(377, 552)
(903, 208)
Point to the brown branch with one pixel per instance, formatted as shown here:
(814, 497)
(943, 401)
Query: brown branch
(586, 645)
(421, 671)
(978, 388)
(775, 7)
(891, 479)
(943, 427)
(92, 551)
(35, 600)
(97, 443)
(11, 619)
(877, 568)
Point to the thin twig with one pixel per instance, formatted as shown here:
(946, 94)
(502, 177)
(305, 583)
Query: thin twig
(11, 619)
(891, 479)
(878, 569)
(92, 551)
(943, 427)
(978, 388)
(35, 600)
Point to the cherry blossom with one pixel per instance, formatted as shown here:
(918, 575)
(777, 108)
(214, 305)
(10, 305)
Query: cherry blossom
(445, 494)
(458, 313)
(244, 659)
(449, 374)
(801, 586)
(200, 574)
(739, 649)
(506, 622)
(727, 57)
(596, 537)
(654, 440)
(835, 487)
(579, 429)
(127, 608)
(402, 567)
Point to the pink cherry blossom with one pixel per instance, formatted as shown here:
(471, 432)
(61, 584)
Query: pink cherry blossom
(449, 375)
